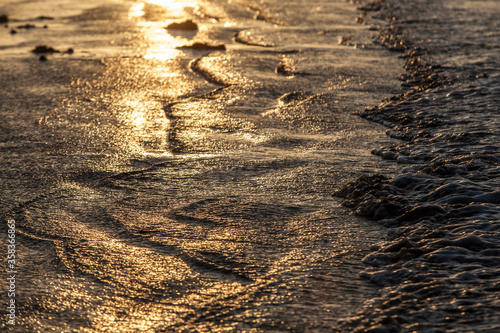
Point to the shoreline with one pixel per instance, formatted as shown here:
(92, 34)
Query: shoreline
(437, 269)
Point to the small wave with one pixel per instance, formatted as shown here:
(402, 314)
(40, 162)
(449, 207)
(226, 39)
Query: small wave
(439, 268)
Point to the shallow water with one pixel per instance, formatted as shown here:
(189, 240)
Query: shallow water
(158, 187)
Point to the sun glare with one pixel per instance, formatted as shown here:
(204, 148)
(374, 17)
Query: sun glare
(159, 44)
(175, 7)
(137, 10)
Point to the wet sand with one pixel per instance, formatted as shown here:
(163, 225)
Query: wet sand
(161, 185)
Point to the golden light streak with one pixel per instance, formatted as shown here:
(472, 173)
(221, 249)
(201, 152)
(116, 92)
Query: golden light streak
(175, 7)
(136, 10)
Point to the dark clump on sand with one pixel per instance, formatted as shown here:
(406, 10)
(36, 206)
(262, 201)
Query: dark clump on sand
(42, 58)
(26, 26)
(5, 19)
(39, 49)
(13, 31)
(203, 46)
(44, 49)
(44, 18)
(186, 25)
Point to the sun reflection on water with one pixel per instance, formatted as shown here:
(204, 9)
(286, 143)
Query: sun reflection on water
(159, 44)
(175, 7)
(147, 127)
(144, 119)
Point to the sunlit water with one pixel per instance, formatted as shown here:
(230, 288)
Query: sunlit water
(161, 187)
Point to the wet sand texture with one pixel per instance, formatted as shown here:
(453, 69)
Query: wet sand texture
(163, 188)
(161, 185)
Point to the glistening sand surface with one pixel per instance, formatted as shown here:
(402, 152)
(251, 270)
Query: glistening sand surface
(158, 187)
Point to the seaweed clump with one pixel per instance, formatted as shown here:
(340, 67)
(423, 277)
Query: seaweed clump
(186, 25)
(44, 49)
(40, 49)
